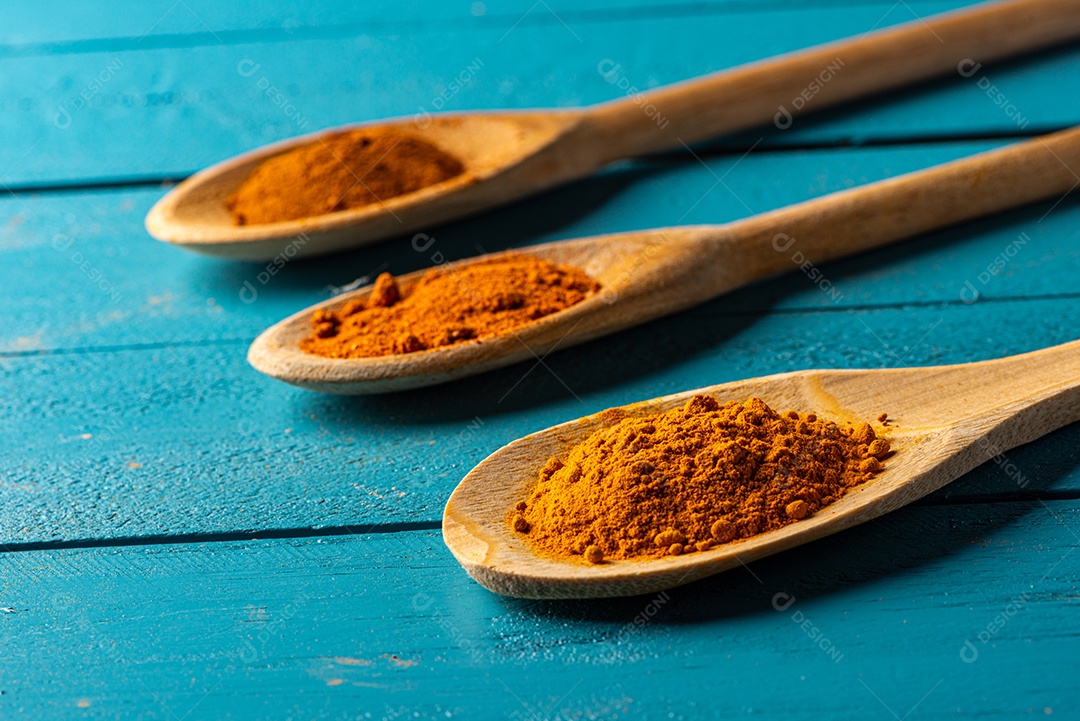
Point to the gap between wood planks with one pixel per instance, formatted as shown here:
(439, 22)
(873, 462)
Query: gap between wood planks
(392, 25)
(435, 525)
(717, 151)
(247, 340)
(359, 529)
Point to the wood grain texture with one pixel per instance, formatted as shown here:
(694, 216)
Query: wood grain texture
(269, 627)
(390, 625)
(88, 241)
(221, 450)
(171, 111)
(880, 61)
(76, 25)
(944, 421)
(508, 156)
(157, 355)
(646, 275)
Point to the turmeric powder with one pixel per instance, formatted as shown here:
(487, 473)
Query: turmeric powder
(690, 478)
(345, 170)
(447, 306)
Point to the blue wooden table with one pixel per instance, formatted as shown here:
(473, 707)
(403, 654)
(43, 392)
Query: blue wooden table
(183, 538)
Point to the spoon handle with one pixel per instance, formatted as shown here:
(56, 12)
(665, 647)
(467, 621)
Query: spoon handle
(1021, 396)
(778, 90)
(1048, 379)
(874, 215)
(1035, 394)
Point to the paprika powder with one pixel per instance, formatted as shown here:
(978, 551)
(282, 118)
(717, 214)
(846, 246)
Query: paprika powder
(340, 171)
(448, 305)
(691, 478)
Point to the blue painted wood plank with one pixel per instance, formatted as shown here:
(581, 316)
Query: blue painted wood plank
(111, 437)
(190, 440)
(930, 612)
(137, 113)
(111, 285)
(73, 26)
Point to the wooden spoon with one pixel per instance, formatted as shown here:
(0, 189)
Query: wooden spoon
(509, 155)
(649, 274)
(944, 421)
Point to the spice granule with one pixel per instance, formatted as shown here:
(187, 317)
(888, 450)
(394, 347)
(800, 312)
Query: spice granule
(689, 478)
(448, 305)
(340, 171)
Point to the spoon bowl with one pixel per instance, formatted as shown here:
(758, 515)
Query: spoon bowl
(277, 353)
(943, 422)
(515, 149)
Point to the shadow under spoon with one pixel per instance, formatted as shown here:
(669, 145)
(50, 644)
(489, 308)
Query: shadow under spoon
(652, 273)
(943, 422)
(509, 155)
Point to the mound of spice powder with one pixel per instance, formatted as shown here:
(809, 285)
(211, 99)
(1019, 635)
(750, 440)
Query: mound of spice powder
(690, 478)
(448, 305)
(344, 170)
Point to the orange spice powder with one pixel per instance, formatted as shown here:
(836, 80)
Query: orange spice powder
(447, 306)
(688, 479)
(345, 170)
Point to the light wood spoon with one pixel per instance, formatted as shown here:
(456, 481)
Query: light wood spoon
(509, 155)
(649, 274)
(944, 421)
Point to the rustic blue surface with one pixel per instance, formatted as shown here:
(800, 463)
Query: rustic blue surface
(186, 539)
